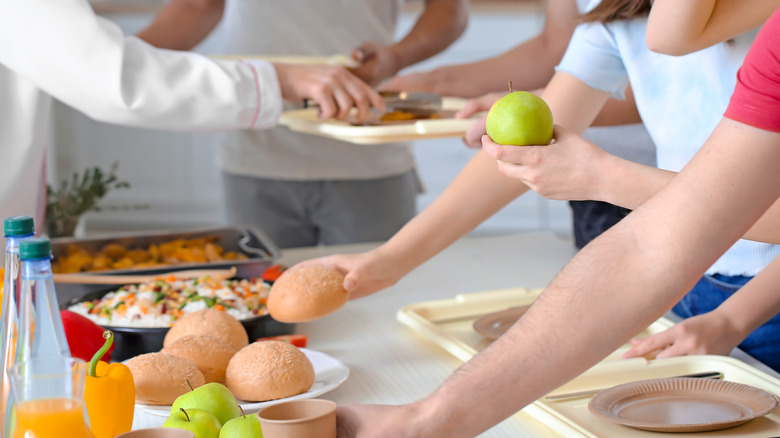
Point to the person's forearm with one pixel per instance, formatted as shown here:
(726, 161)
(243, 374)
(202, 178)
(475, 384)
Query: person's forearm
(619, 112)
(183, 24)
(766, 229)
(627, 184)
(477, 193)
(619, 283)
(441, 23)
(681, 27)
(529, 66)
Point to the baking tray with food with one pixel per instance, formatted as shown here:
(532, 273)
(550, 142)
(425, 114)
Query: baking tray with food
(247, 249)
(141, 314)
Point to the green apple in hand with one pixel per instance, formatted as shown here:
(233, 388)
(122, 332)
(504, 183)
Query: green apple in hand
(202, 423)
(242, 427)
(520, 118)
(213, 397)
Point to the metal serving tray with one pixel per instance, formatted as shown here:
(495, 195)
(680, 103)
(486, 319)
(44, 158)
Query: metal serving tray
(250, 241)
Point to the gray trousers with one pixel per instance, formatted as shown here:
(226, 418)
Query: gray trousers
(311, 213)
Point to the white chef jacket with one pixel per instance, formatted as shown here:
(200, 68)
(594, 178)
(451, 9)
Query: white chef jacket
(61, 49)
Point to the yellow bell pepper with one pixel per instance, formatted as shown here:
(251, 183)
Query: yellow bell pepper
(109, 394)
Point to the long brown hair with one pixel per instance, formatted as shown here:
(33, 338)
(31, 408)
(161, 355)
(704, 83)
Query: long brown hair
(611, 10)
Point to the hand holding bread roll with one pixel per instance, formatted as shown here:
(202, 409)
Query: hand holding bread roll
(306, 292)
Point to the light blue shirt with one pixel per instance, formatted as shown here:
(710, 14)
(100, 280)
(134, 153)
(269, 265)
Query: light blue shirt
(681, 100)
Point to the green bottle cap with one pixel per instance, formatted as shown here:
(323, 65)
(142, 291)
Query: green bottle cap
(35, 248)
(18, 226)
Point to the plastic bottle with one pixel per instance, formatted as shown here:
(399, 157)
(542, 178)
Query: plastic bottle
(15, 230)
(42, 333)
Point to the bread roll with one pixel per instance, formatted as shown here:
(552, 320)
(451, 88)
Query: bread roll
(208, 353)
(304, 293)
(160, 378)
(209, 322)
(269, 370)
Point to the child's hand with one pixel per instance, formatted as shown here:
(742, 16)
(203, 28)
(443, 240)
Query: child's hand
(364, 273)
(709, 333)
(570, 168)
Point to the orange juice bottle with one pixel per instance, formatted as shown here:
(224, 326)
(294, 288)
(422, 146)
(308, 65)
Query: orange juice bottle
(15, 229)
(51, 418)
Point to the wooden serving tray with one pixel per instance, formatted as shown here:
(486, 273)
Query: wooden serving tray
(307, 121)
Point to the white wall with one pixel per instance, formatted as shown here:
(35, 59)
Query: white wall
(174, 176)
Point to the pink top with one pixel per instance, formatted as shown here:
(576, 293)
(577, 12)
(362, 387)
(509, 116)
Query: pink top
(756, 98)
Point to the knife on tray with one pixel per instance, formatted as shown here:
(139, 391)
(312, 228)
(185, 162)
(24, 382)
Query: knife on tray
(402, 107)
(590, 392)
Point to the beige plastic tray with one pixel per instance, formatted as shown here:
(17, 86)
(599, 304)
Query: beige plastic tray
(307, 121)
(572, 418)
(449, 322)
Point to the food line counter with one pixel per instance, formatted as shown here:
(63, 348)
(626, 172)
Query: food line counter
(390, 363)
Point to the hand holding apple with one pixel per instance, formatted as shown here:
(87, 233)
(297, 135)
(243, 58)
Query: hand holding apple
(570, 168)
(520, 118)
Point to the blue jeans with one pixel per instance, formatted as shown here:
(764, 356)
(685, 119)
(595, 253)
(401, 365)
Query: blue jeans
(711, 290)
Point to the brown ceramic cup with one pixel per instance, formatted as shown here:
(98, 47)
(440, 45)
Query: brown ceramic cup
(307, 418)
(158, 432)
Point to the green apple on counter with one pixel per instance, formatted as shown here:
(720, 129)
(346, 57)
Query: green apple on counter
(202, 423)
(242, 427)
(520, 118)
(212, 397)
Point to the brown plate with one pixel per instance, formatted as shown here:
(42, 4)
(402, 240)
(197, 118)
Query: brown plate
(495, 324)
(682, 404)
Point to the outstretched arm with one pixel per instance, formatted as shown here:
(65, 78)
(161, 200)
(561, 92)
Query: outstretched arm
(681, 27)
(440, 24)
(477, 192)
(529, 65)
(613, 288)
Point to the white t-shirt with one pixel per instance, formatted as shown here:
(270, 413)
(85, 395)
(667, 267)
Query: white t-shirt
(62, 49)
(308, 28)
(680, 98)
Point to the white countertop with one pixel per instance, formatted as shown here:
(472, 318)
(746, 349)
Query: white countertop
(390, 363)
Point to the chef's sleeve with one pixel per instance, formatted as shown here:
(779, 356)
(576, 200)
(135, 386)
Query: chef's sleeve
(87, 62)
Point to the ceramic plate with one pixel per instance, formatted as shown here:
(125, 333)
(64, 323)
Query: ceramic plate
(329, 373)
(495, 324)
(682, 404)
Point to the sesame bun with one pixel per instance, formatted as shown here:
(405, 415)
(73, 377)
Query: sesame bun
(209, 322)
(269, 370)
(208, 353)
(304, 293)
(160, 378)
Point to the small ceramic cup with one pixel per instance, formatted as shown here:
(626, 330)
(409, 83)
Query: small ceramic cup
(307, 418)
(158, 432)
